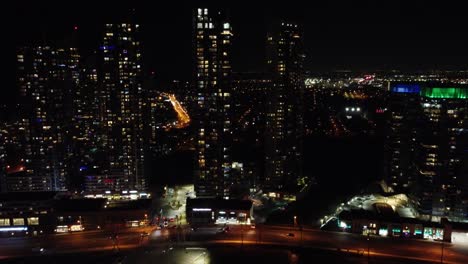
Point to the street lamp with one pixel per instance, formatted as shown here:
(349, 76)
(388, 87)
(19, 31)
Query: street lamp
(242, 230)
(115, 242)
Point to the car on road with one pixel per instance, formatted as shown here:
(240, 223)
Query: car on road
(252, 226)
(290, 234)
(223, 231)
(39, 250)
(120, 260)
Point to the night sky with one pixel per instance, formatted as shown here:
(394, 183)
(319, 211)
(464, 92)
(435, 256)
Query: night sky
(355, 35)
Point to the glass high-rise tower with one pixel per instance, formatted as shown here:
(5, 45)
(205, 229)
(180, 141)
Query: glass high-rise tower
(47, 78)
(426, 147)
(401, 134)
(442, 151)
(212, 34)
(121, 109)
(284, 114)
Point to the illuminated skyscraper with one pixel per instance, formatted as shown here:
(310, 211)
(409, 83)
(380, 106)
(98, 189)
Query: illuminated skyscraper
(284, 121)
(401, 135)
(426, 147)
(212, 72)
(442, 151)
(3, 156)
(251, 91)
(87, 156)
(121, 107)
(46, 78)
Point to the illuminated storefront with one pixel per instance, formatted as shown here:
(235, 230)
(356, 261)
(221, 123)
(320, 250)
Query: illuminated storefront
(433, 233)
(218, 211)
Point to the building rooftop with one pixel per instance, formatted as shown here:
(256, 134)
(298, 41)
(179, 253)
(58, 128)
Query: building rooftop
(79, 205)
(26, 196)
(215, 203)
(385, 217)
(85, 205)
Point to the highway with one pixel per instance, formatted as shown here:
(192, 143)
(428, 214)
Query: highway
(378, 246)
(69, 243)
(182, 116)
(420, 250)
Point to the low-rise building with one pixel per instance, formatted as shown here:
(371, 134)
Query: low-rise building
(38, 213)
(384, 224)
(219, 211)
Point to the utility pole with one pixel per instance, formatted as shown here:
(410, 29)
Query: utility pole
(368, 247)
(442, 252)
(259, 238)
(242, 235)
(300, 228)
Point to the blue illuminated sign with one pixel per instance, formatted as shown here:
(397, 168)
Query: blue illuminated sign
(107, 47)
(406, 88)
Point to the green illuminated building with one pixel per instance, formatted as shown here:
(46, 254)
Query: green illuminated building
(441, 153)
(446, 93)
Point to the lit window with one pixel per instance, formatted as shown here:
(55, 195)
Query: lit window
(33, 220)
(4, 221)
(18, 221)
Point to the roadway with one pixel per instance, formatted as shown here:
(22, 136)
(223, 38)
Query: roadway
(182, 115)
(172, 205)
(420, 250)
(71, 242)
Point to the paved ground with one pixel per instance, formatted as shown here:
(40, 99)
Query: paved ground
(172, 205)
(244, 237)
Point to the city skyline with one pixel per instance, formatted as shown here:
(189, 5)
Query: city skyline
(333, 132)
(358, 36)
(121, 93)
